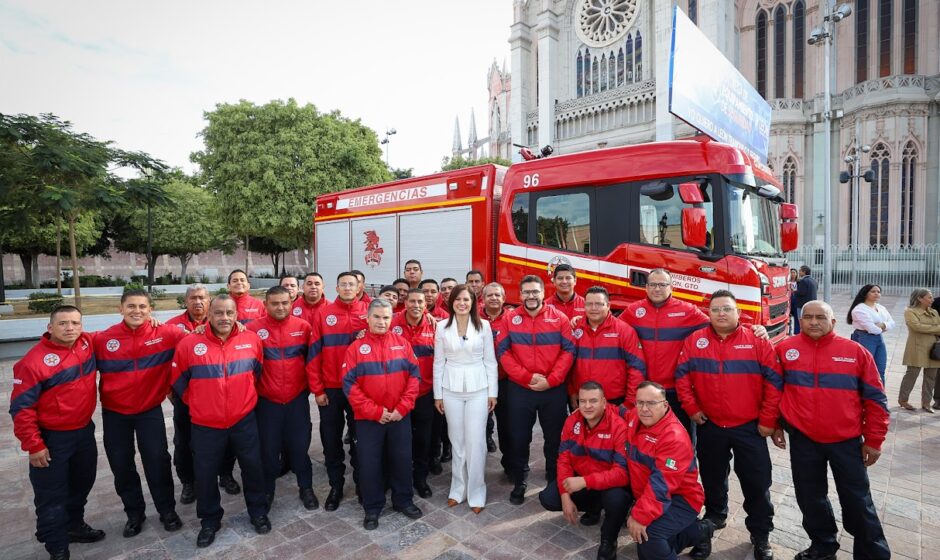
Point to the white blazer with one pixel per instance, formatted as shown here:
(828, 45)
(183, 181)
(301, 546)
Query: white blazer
(464, 366)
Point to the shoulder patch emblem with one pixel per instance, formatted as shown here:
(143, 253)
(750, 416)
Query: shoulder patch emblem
(576, 428)
(365, 349)
(397, 329)
(517, 320)
(297, 311)
(701, 343)
(671, 464)
(200, 349)
(51, 359)
(640, 312)
(113, 345)
(263, 334)
(331, 320)
(578, 333)
(792, 354)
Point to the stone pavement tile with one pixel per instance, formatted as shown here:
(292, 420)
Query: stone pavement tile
(150, 552)
(294, 529)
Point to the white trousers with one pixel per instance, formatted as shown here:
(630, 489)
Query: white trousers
(466, 426)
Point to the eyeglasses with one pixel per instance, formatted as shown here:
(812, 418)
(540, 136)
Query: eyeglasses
(648, 404)
(348, 284)
(725, 309)
(660, 285)
(531, 292)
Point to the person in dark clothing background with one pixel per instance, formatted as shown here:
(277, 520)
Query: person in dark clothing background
(806, 289)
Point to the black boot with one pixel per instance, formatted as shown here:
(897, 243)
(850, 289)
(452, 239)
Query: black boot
(517, 496)
(309, 499)
(333, 498)
(228, 483)
(187, 494)
(762, 550)
(607, 550)
(133, 526)
(85, 534)
(703, 549)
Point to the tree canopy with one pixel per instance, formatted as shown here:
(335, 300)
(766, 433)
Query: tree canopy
(459, 162)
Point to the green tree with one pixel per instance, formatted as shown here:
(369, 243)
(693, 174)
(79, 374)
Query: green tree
(29, 235)
(402, 173)
(268, 163)
(459, 162)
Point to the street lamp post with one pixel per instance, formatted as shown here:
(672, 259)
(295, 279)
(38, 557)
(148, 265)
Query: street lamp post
(825, 34)
(855, 161)
(385, 141)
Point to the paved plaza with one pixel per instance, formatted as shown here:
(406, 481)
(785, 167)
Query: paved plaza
(905, 486)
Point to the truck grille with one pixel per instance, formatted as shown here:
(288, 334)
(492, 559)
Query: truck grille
(778, 310)
(773, 331)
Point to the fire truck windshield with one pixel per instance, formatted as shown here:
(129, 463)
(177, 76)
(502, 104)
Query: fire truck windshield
(754, 227)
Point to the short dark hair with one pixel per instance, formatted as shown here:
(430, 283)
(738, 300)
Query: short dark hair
(63, 309)
(236, 271)
(137, 292)
(723, 293)
(415, 291)
(448, 279)
(429, 281)
(346, 273)
(591, 386)
(805, 270)
(276, 290)
(653, 384)
(317, 274)
(388, 288)
(400, 281)
(564, 267)
(358, 274)
(413, 261)
(598, 290)
(284, 277)
(472, 272)
(529, 278)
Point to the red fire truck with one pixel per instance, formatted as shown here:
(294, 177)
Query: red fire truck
(703, 210)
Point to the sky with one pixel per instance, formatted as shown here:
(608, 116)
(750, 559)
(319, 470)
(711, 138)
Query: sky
(141, 74)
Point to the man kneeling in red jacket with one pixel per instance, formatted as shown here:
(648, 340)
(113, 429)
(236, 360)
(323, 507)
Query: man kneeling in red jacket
(380, 379)
(592, 468)
(215, 374)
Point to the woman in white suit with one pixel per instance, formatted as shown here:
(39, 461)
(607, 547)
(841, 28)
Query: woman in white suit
(465, 389)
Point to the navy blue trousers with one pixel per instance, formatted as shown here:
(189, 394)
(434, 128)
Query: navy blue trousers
(287, 426)
(209, 445)
(808, 460)
(384, 446)
(551, 406)
(672, 397)
(614, 501)
(150, 431)
(182, 445)
(333, 418)
(715, 448)
(671, 533)
(61, 489)
(422, 431)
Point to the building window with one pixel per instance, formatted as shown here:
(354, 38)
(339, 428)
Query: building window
(564, 221)
(910, 36)
(638, 54)
(628, 69)
(603, 72)
(587, 72)
(799, 45)
(612, 71)
(789, 180)
(878, 224)
(861, 40)
(693, 11)
(908, 167)
(780, 51)
(884, 37)
(580, 66)
(661, 214)
(595, 76)
(762, 54)
(620, 67)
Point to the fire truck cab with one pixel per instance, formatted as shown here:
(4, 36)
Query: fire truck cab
(703, 210)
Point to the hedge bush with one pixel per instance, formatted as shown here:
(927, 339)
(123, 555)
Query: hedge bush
(42, 302)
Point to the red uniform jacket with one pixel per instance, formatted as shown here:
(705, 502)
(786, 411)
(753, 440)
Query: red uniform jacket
(572, 308)
(611, 355)
(285, 343)
(53, 389)
(733, 381)
(421, 339)
(217, 379)
(439, 312)
(333, 329)
(185, 322)
(497, 325)
(303, 310)
(249, 308)
(541, 344)
(597, 454)
(442, 304)
(380, 371)
(135, 365)
(662, 330)
(661, 462)
(831, 390)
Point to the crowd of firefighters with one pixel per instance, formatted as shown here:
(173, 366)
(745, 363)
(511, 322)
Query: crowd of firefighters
(641, 413)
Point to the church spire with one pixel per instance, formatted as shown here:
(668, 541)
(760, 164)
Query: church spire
(472, 140)
(458, 146)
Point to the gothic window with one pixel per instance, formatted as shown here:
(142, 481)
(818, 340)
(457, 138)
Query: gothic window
(620, 67)
(628, 69)
(580, 65)
(601, 22)
(878, 224)
(789, 180)
(595, 76)
(799, 42)
(587, 72)
(910, 36)
(604, 72)
(908, 165)
(638, 53)
(762, 53)
(780, 51)
(612, 71)
(861, 40)
(884, 37)
(693, 11)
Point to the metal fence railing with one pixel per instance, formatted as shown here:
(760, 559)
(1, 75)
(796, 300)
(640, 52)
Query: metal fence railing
(896, 269)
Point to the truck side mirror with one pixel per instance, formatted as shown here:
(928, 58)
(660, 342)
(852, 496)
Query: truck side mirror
(789, 212)
(789, 232)
(691, 193)
(694, 228)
